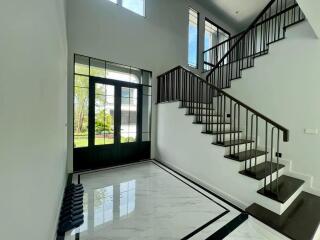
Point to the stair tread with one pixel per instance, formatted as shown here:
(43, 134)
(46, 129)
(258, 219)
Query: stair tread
(246, 155)
(203, 122)
(202, 115)
(232, 142)
(287, 187)
(299, 221)
(221, 132)
(261, 171)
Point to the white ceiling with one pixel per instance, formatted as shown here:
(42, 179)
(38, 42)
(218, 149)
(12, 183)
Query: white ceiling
(237, 13)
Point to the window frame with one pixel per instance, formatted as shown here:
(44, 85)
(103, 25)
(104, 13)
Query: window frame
(206, 19)
(198, 37)
(88, 75)
(120, 3)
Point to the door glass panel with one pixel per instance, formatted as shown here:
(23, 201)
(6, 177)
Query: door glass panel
(129, 104)
(104, 114)
(81, 111)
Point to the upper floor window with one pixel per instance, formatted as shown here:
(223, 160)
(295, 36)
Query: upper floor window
(136, 6)
(214, 35)
(193, 38)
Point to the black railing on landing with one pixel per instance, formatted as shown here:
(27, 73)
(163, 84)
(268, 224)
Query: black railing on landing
(226, 118)
(225, 61)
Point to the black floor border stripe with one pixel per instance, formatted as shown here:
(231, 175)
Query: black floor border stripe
(202, 187)
(190, 186)
(229, 227)
(204, 226)
(112, 167)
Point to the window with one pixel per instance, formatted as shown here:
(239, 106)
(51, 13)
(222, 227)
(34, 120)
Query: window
(136, 6)
(214, 35)
(193, 38)
(129, 108)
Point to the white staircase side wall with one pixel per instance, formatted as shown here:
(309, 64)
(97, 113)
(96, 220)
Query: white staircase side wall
(181, 145)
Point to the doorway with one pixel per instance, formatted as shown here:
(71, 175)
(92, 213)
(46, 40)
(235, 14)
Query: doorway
(115, 124)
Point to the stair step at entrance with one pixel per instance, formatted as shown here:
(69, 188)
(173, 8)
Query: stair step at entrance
(232, 142)
(261, 171)
(299, 222)
(245, 155)
(287, 187)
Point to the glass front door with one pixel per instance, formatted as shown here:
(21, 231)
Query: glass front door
(114, 125)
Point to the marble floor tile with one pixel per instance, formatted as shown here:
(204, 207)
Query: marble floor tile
(141, 201)
(149, 201)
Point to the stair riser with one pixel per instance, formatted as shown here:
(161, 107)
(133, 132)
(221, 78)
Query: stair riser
(201, 112)
(242, 147)
(213, 118)
(209, 118)
(227, 136)
(196, 105)
(274, 176)
(215, 127)
(260, 159)
(277, 207)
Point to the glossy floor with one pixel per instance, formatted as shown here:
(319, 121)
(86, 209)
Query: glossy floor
(147, 201)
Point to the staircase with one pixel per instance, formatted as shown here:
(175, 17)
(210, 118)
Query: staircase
(248, 137)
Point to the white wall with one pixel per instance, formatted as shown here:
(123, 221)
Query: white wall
(158, 42)
(311, 9)
(284, 85)
(33, 50)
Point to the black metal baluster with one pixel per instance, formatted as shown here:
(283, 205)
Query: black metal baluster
(224, 118)
(271, 162)
(256, 143)
(266, 157)
(246, 147)
(239, 128)
(251, 139)
(278, 150)
(230, 129)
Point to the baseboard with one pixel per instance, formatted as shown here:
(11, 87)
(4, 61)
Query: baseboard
(217, 191)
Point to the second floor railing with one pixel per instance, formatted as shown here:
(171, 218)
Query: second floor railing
(225, 61)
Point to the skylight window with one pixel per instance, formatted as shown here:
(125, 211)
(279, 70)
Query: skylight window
(136, 6)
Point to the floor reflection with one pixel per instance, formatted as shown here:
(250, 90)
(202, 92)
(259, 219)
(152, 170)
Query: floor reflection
(104, 204)
(127, 197)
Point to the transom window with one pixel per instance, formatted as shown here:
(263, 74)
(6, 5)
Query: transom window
(136, 6)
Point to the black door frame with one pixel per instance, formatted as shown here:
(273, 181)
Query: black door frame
(94, 157)
(117, 107)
